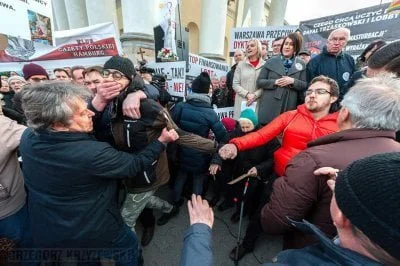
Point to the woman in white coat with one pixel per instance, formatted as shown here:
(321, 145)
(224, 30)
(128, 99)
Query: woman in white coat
(245, 78)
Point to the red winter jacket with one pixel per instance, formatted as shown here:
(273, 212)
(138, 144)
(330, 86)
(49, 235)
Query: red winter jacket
(298, 127)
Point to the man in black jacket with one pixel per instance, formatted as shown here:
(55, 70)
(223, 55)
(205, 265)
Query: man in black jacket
(237, 57)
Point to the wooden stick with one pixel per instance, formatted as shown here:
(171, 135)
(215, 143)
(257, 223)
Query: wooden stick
(234, 181)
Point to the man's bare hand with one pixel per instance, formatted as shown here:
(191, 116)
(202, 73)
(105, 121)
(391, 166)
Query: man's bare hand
(105, 93)
(329, 171)
(228, 151)
(253, 172)
(131, 105)
(214, 168)
(168, 136)
(200, 212)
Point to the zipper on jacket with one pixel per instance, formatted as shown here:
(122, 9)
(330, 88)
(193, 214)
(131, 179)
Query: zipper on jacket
(146, 177)
(128, 141)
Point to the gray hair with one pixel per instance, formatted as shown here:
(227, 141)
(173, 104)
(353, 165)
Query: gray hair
(345, 30)
(374, 103)
(50, 102)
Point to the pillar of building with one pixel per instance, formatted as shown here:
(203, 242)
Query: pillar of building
(277, 12)
(137, 26)
(76, 13)
(212, 32)
(60, 15)
(101, 11)
(257, 12)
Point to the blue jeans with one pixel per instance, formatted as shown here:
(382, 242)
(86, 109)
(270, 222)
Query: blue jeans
(198, 180)
(16, 227)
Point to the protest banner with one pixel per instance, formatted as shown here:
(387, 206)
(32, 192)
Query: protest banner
(198, 64)
(224, 112)
(87, 46)
(240, 36)
(366, 25)
(175, 73)
(30, 20)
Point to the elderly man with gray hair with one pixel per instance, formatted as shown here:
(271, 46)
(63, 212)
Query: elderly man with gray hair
(368, 120)
(333, 62)
(73, 180)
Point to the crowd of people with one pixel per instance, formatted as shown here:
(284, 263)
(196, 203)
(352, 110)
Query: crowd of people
(312, 141)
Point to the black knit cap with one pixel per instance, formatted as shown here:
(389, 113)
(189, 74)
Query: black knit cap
(201, 84)
(122, 64)
(368, 194)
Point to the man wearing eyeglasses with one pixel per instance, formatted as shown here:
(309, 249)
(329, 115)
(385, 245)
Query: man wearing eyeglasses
(333, 62)
(133, 135)
(311, 120)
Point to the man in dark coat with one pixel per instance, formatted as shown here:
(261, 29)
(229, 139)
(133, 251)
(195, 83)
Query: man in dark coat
(195, 116)
(333, 62)
(238, 56)
(367, 121)
(72, 179)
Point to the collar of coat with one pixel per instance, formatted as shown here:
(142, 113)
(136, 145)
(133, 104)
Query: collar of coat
(352, 134)
(62, 136)
(259, 65)
(199, 98)
(275, 64)
(342, 256)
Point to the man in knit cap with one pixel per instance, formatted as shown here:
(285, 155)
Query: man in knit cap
(34, 73)
(133, 135)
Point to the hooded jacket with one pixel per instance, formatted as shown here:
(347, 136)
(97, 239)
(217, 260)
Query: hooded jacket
(298, 127)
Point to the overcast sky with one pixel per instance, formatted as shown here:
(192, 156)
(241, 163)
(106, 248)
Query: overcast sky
(300, 10)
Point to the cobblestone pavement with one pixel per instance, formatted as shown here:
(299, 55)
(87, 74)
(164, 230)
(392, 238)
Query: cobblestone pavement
(166, 246)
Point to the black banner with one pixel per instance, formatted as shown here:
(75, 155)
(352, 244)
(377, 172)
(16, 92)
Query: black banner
(366, 25)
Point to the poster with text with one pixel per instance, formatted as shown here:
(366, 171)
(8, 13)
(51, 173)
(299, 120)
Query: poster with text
(198, 64)
(240, 36)
(175, 72)
(94, 41)
(30, 20)
(226, 112)
(366, 25)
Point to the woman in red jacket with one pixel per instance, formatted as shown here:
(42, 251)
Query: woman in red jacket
(314, 119)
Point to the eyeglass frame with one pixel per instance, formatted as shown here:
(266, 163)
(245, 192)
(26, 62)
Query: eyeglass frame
(112, 73)
(317, 92)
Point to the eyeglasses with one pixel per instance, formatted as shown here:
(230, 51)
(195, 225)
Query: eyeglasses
(115, 75)
(317, 92)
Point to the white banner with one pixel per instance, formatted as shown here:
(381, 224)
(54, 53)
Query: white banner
(175, 72)
(84, 46)
(198, 64)
(27, 19)
(224, 112)
(240, 36)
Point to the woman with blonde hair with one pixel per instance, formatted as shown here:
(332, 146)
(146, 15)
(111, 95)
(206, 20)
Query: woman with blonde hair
(245, 78)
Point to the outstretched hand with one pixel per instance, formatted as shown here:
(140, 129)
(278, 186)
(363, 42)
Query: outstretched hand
(200, 212)
(228, 151)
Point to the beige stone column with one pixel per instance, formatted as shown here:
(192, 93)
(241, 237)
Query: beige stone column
(277, 12)
(212, 32)
(76, 13)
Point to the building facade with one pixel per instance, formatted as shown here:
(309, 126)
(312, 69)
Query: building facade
(209, 21)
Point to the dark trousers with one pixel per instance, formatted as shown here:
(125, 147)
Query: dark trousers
(147, 218)
(254, 229)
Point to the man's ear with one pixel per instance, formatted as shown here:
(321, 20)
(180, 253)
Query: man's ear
(345, 114)
(334, 99)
